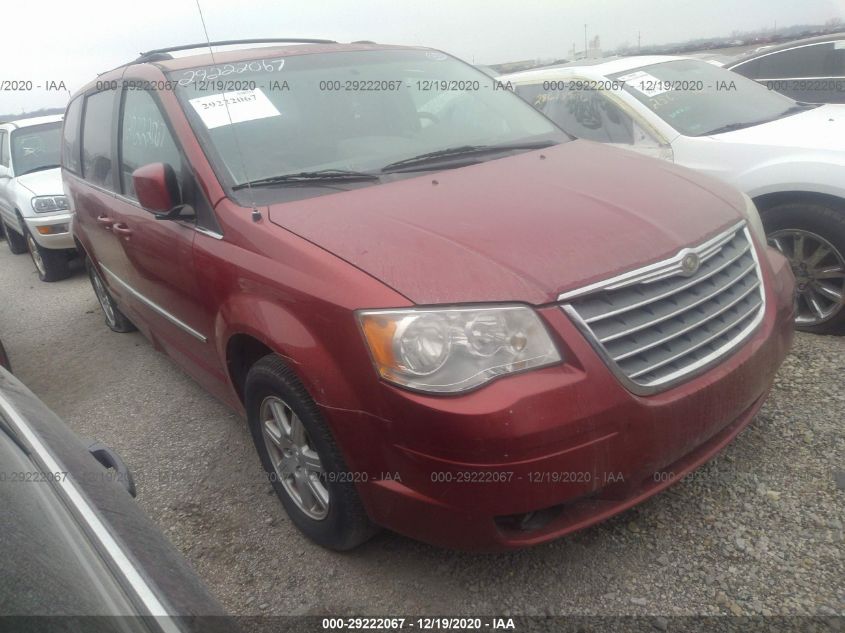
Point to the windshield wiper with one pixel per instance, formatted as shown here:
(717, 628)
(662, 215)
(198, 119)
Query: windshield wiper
(310, 177)
(730, 127)
(799, 106)
(42, 168)
(463, 150)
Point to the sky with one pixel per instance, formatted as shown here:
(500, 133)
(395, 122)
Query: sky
(70, 41)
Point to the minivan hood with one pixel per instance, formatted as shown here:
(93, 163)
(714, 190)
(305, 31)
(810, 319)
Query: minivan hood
(523, 228)
(822, 128)
(47, 182)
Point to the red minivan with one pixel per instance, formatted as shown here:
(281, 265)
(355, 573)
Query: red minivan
(439, 313)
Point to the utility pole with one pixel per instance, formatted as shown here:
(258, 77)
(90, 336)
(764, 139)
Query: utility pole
(585, 41)
(639, 46)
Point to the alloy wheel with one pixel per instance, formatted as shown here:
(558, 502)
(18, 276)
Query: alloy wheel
(36, 255)
(295, 460)
(819, 270)
(103, 297)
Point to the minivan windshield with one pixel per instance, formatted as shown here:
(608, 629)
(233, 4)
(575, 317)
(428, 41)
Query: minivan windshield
(357, 111)
(36, 147)
(697, 98)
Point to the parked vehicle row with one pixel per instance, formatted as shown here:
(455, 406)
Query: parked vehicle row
(439, 313)
(441, 310)
(788, 156)
(659, 106)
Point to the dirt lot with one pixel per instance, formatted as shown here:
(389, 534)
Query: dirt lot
(757, 531)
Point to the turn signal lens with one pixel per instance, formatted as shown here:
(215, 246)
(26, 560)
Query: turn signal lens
(754, 222)
(379, 331)
(52, 229)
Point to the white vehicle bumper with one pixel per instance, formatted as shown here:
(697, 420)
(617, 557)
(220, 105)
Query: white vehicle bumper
(52, 231)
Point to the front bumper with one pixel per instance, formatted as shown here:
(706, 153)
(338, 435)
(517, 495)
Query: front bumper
(534, 456)
(54, 230)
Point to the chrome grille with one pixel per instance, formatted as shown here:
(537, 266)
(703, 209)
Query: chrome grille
(658, 324)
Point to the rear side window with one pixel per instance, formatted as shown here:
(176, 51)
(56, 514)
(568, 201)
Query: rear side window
(807, 61)
(70, 136)
(144, 139)
(96, 139)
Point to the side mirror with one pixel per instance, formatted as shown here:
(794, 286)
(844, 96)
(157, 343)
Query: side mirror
(156, 187)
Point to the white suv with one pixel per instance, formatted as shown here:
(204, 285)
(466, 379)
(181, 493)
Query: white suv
(34, 211)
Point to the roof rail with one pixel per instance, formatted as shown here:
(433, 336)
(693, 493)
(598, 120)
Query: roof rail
(158, 52)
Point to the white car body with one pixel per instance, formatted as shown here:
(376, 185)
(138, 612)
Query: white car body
(17, 192)
(803, 152)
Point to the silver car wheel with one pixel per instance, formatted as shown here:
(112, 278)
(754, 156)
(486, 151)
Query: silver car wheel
(103, 297)
(36, 255)
(819, 270)
(295, 460)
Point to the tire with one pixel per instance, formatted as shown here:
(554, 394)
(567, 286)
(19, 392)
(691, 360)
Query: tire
(805, 232)
(15, 241)
(114, 318)
(344, 524)
(52, 265)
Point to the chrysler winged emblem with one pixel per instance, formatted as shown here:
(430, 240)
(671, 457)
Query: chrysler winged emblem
(689, 264)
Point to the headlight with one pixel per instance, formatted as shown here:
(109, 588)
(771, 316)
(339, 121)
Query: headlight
(49, 204)
(454, 349)
(754, 222)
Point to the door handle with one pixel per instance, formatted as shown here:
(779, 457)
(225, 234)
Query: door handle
(105, 221)
(122, 230)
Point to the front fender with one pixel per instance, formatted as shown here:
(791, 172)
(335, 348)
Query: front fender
(787, 176)
(19, 206)
(22, 200)
(328, 354)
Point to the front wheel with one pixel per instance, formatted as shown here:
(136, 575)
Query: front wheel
(301, 458)
(812, 237)
(52, 265)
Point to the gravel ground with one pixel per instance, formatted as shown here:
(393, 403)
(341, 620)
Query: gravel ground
(757, 531)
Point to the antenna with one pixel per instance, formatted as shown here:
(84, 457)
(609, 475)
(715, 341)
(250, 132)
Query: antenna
(256, 214)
